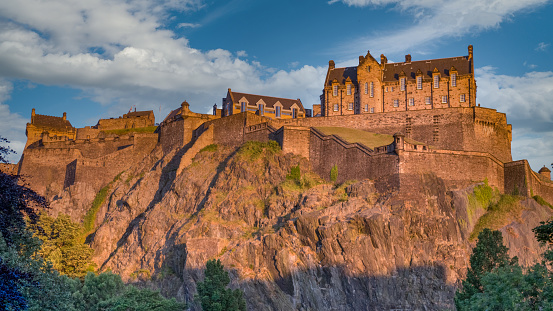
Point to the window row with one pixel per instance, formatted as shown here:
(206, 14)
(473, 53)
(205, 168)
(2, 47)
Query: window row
(428, 100)
(261, 109)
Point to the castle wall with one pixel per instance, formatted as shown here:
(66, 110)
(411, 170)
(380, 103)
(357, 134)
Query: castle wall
(449, 129)
(353, 162)
(126, 122)
(87, 133)
(172, 135)
(520, 179)
(457, 169)
(294, 139)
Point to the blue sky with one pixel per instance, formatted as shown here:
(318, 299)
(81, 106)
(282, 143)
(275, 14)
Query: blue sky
(97, 58)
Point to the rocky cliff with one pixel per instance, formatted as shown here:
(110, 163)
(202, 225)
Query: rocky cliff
(289, 243)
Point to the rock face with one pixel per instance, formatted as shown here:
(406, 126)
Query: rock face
(289, 244)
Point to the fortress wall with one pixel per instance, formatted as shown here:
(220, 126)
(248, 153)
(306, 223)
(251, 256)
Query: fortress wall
(124, 123)
(87, 133)
(144, 143)
(45, 169)
(172, 135)
(259, 132)
(294, 139)
(353, 163)
(94, 148)
(450, 129)
(457, 169)
(521, 179)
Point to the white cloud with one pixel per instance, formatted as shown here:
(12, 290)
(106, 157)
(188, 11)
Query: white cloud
(527, 102)
(12, 125)
(188, 25)
(542, 46)
(531, 66)
(437, 19)
(119, 52)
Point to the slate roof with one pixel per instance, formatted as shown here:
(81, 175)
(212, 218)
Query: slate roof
(173, 114)
(341, 74)
(269, 101)
(57, 123)
(393, 70)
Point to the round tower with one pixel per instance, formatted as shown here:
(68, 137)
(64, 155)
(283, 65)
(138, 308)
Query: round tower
(545, 172)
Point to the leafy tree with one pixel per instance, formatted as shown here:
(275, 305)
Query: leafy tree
(213, 294)
(27, 282)
(63, 245)
(134, 299)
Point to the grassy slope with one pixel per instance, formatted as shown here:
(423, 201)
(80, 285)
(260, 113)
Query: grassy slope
(148, 129)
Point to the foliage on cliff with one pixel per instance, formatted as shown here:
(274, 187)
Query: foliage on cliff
(496, 282)
(63, 245)
(213, 294)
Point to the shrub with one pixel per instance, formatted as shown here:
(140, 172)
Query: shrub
(209, 148)
(252, 150)
(334, 173)
(295, 173)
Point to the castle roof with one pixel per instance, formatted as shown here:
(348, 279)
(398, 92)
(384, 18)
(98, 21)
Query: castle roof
(342, 74)
(269, 101)
(173, 114)
(392, 70)
(57, 123)
(544, 169)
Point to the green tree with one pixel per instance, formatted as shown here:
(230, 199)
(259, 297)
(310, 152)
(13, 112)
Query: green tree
(489, 254)
(213, 294)
(334, 173)
(63, 245)
(27, 282)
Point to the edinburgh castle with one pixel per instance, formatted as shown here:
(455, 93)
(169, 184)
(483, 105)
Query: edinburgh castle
(424, 114)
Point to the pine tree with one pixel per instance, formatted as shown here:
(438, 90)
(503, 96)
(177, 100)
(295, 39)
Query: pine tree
(213, 294)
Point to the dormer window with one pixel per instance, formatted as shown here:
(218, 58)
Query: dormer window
(294, 113)
(348, 89)
(453, 79)
(436, 81)
(419, 83)
(335, 90)
(277, 111)
(243, 107)
(261, 109)
(402, 84)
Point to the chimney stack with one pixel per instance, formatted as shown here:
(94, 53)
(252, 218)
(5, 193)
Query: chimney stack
(383, 59)
(64, 116)
(408, 58)
(331, 64)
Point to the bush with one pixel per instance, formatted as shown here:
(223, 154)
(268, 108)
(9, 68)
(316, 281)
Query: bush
(252, 150)
(334, 173)
(295, 173)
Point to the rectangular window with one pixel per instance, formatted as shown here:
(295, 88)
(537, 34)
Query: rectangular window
(366, 107)
(444, 99)
(348, 89)
(336, 107)
(242, 106)
(386, 89)
(294, 113)
(402, 84)
(366, 88)
(277, 111)
(335, 90)
(392, 89)
(350, 106)
(454, 79)
(396, 103)
(372, 89)
(372, 110)
(462, 98)
(411, 101)
(261, 109)
(436, 81)
(428, 100)
(419, 83)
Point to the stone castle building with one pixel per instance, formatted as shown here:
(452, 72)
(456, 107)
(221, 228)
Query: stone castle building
(425, 111)
(373, 87)
(270, 107)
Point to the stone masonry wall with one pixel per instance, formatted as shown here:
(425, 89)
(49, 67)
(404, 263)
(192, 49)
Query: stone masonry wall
(520, 179)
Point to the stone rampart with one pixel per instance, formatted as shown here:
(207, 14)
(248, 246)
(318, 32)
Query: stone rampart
(463, 129)
(521, 179)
